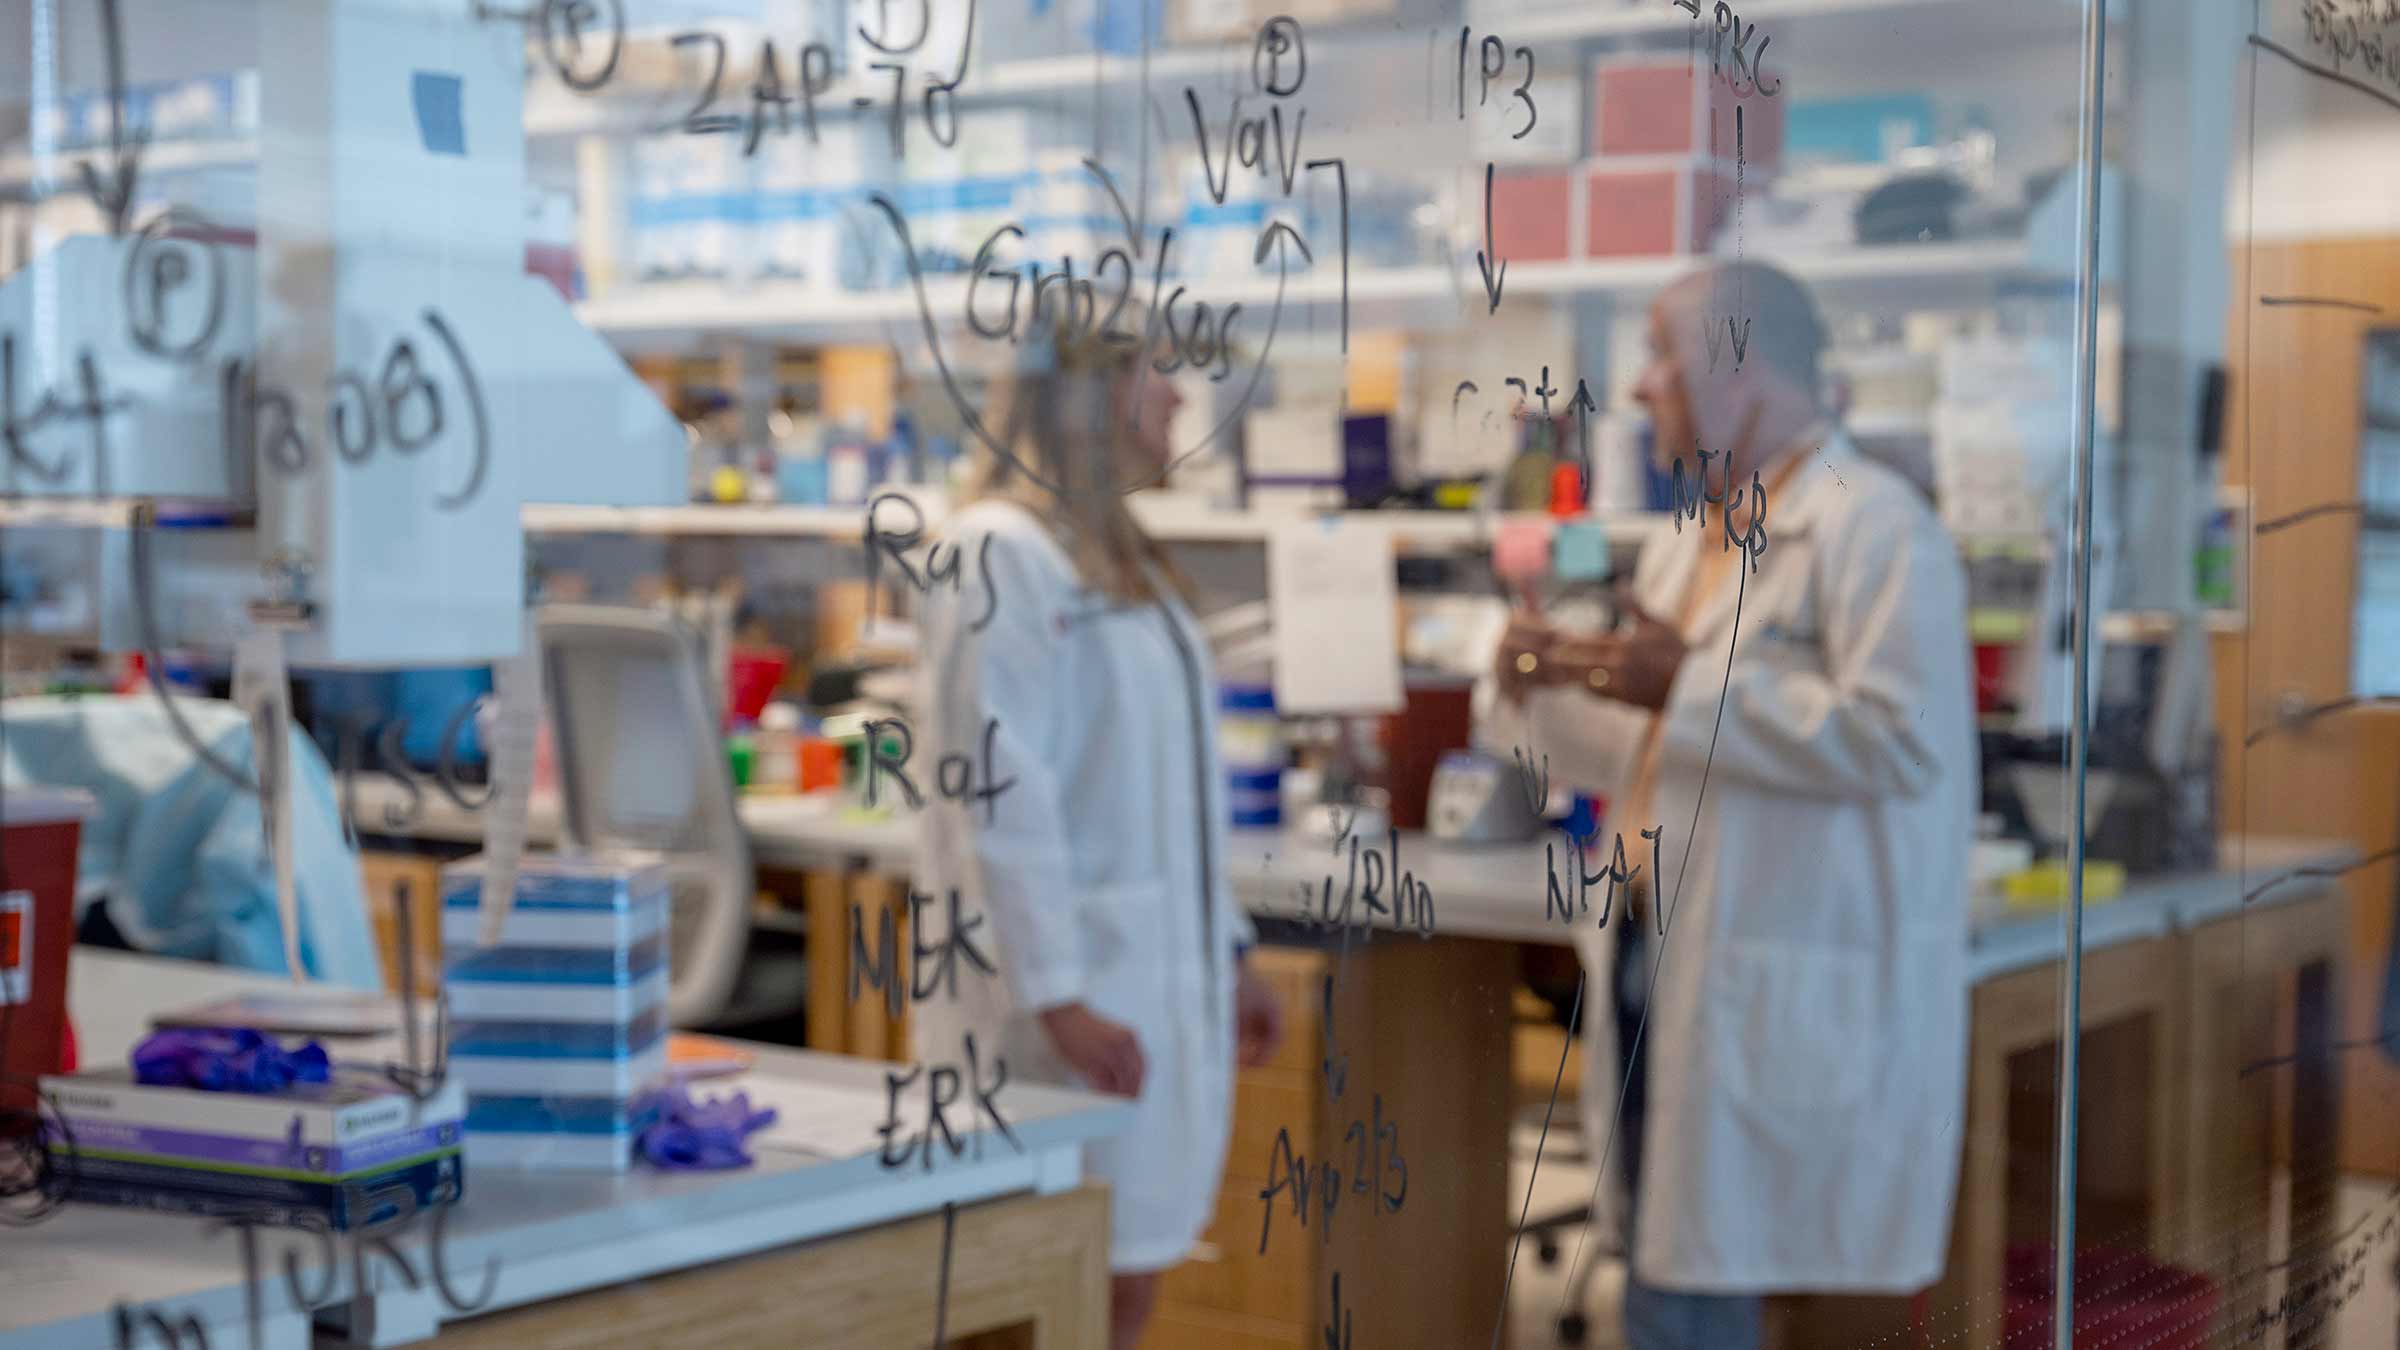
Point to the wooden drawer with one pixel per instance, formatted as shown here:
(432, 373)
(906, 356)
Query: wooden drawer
(1183, 1328)
(1226, 1272)
(1298, 979)
(1264, 1101)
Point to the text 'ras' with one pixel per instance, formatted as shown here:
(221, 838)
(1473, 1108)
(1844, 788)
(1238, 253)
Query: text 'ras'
(945, 560)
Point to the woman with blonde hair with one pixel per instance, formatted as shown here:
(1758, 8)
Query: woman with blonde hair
(1094, 875)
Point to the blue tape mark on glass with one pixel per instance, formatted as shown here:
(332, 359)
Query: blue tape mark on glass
(440, 124)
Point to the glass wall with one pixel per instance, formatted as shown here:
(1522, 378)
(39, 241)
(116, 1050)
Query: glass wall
(1200, 673)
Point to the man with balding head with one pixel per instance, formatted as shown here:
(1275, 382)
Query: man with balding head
(1787, 701)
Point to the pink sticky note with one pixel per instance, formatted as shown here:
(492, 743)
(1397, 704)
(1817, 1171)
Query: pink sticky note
(1521, 550)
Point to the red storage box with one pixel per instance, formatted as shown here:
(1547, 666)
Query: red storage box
(40, 830)
(1533, 216)
(1647, 106)
(1654, 206)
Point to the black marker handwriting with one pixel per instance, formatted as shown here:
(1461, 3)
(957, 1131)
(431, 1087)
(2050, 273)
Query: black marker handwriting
(1365, 904)
(1574, 900)
(181, 1333)
(932, 967)
(358, 1251)
(2339, 35)
(2309, 1302)
(2273, 524)
(1379, 1172)
(1337, 1326)
(157, 265)
(111, 188)
(1278, 238)
(943, 1086)
(1690, 498)
(1488, 259)
(89, 403)
(940, 567)
(562, 26)
(1279, 57)
(1737, 59)
(958, 777)
(1492, 60)
(583, 43)
(401, 407)
(2372, 89)
(1246, 139)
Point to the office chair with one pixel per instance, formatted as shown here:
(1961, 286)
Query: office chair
(642, 766)
(1551, 974)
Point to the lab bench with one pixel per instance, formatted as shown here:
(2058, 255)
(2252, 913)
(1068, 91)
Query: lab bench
(830, 1242)
(2181, 972)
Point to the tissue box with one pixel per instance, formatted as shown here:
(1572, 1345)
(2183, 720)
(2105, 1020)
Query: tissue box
(558, 1030)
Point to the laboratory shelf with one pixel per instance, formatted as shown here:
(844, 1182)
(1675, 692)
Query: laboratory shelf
(740, 521)
(1827, 22)
(654, 315)
(17, 167)
(117, 513)
(1877, 31)
(1411, 531)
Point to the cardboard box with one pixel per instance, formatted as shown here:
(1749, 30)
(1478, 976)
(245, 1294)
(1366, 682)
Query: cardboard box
(1653, 206)
(1648, 106)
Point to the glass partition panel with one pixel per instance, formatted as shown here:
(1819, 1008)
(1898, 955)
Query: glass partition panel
(2241, 761)
(1369, 672)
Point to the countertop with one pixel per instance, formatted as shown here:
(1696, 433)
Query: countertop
(554, 1233)
(1486, 891)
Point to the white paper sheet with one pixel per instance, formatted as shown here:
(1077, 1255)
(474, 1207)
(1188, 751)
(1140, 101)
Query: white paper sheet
(820, 1118)
(1334, 594)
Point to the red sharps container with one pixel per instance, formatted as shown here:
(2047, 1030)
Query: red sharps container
(40, 829)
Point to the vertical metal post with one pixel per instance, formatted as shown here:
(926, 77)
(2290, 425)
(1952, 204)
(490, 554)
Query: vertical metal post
(2087, 326)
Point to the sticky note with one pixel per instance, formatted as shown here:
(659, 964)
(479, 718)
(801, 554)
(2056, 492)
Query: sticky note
(441, 122)
(1579, 551)
(1521, 550)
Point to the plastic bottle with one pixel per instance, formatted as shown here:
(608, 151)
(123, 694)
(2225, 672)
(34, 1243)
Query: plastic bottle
(775, 749)
(846, 472)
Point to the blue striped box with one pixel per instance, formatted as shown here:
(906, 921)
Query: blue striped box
(559, 1028)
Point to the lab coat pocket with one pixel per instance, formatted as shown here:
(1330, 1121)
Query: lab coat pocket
(1795, 1023)
(1120, 923)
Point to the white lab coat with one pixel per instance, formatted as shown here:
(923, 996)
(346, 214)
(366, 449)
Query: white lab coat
(1807, 1028)
(1101, 877)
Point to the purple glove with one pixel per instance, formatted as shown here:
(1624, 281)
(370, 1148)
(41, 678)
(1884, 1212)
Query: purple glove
(234, 1059)
(688, 1135)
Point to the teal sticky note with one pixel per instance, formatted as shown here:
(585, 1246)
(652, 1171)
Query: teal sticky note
(1579, 551)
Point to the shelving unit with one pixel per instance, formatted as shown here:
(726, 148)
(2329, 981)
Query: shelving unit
(651, 314)
(1847, 26)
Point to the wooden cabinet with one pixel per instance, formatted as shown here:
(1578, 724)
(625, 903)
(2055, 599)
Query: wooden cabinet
(1419, 1041)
